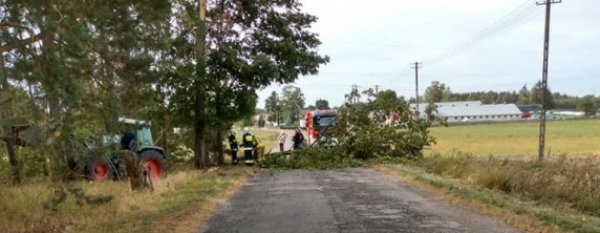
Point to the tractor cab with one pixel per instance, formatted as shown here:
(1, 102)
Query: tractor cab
(135, 136)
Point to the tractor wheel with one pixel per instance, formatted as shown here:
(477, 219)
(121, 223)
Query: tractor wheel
(99, 170)
(155, 161)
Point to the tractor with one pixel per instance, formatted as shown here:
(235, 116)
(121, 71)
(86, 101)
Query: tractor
(102, 162)
(137, 138)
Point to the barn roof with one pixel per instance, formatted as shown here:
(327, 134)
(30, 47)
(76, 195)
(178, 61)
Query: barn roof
(473, 109)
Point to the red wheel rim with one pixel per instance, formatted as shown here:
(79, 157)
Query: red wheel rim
(100, 170)
(154, 166)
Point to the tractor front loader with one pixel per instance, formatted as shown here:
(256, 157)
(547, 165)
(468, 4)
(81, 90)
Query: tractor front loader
(102, 162)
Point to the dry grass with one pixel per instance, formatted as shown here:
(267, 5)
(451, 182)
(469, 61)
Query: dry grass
(21, 208)
(572, 137)
(517, 220)
(568, 186)
(495, 163)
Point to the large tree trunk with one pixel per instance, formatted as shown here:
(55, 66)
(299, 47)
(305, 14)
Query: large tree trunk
(5, 92)
(12, 160)
(219, 141)
(200, 155)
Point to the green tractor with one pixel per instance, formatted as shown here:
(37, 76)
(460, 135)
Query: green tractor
(103, 162)
(137, 138)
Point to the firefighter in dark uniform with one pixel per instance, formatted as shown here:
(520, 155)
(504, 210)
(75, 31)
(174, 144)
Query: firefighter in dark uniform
(233, 145)
(249, 146)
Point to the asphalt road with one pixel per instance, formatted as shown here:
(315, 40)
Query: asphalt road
(351, 200)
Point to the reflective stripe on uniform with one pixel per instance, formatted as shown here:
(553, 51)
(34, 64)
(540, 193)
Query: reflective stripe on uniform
(248, 148)
(249, 161)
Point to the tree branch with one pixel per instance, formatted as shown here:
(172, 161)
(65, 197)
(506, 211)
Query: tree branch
(19, 43)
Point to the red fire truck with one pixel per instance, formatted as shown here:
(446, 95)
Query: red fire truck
(320, 122)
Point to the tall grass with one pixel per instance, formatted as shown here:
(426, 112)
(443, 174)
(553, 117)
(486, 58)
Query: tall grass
(572, 184)
(22, 208)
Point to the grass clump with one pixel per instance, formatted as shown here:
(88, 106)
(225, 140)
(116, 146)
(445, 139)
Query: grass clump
(565, 183)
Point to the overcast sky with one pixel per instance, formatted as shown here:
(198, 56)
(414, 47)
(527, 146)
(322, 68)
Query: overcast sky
(372, 43)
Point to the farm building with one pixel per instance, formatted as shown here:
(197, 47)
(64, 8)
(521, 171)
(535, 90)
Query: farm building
(474, 111)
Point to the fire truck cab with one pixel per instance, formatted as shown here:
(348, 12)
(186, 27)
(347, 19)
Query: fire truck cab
(320, 122)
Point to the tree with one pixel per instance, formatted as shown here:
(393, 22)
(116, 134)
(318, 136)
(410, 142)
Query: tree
(249, 45)
(447, 95)
(386, 96)
(536, 95)
(261, 121)
(273, 107)
(322, 104)
(292, 101)
(524, 96)
(435, 92)
(587, 105)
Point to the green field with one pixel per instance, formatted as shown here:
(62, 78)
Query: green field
(571, 137)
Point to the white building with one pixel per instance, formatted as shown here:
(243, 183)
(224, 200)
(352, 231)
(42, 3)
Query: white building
(473, 111)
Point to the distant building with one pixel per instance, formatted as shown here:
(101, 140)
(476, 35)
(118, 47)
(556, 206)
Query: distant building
(473, 111)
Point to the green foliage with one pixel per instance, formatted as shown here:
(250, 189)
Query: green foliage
(364, 134)
(313, 158)
(368, 135)
(274, 107)
(587, 105)
(292, 100)
(439, 92)
(85, 65)
(322, 104)
(261, 121)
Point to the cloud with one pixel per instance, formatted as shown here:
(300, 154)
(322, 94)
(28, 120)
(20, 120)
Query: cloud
(372, 43)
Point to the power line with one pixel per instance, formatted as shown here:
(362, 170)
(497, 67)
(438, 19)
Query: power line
(516, 17)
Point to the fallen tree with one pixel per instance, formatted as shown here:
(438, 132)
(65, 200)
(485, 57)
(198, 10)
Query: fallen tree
(381, 129)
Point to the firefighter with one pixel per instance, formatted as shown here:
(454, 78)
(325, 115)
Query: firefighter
(248, 141)
(233, 144)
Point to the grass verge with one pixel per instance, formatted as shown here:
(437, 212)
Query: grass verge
(178, 204)
(561, 194)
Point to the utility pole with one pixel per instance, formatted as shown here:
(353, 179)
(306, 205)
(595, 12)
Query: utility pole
(417, 66)
(542, 142)
(355, 89)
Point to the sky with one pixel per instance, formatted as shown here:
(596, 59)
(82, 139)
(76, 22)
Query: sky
(373, 43)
